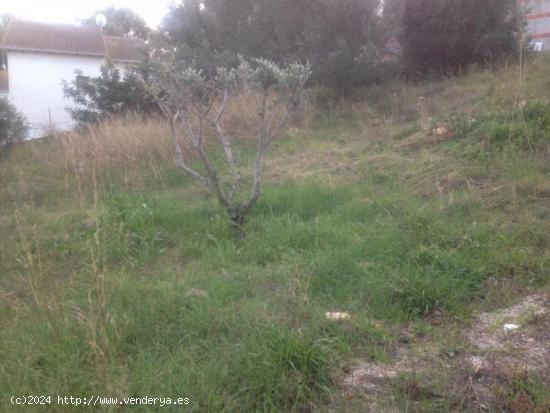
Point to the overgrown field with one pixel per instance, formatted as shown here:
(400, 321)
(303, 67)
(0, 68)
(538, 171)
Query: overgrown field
(409, 207)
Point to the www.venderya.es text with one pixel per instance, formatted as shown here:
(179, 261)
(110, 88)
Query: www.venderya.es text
(95, 400)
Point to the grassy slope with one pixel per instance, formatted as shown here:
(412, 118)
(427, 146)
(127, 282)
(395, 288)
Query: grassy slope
(369, 212)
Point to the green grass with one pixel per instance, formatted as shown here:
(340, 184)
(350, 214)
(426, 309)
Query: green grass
(104, 307)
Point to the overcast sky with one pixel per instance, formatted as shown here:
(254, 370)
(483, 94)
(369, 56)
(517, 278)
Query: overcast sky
(72, 11)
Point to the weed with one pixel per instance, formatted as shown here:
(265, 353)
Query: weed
(130, 229)
(524, 128)
(522, 392)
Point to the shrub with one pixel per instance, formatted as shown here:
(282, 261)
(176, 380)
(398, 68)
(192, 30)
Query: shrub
(525, 127)
(111, 93)
(449, 34)
(189, 101)
(13, 125)
(338, 39)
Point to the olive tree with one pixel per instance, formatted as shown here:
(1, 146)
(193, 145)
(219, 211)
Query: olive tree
(194, 105)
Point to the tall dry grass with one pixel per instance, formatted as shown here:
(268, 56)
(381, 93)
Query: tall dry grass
(134, 151)
(116, 150)
(123, 150)
(384, 110)
(131, 151)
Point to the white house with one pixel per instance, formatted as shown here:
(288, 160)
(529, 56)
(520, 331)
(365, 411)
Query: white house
(39, 56)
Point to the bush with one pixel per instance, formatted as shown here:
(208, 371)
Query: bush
(190, 101)
(450, 34)
(111, 93)
(525, 128)
(13, 125)
(339, 40)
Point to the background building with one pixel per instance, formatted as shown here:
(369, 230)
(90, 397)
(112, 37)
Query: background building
(38, 57)
(538, 20)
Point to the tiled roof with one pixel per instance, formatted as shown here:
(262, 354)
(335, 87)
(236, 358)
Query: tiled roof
(53, 38)
(69, 39)
(124, 49)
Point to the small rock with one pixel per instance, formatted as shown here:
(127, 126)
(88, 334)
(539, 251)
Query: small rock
(337, 315)
(510, 327)
(194, 292)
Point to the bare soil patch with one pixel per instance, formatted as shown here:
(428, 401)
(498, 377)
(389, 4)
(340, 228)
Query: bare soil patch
(488, 374)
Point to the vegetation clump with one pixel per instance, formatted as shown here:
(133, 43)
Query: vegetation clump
(434, 40)
(110, 94)
(190, 102)
(526, 127)
(13, 125)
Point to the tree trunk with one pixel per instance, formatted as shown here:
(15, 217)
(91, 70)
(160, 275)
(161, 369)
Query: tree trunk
(237, 217)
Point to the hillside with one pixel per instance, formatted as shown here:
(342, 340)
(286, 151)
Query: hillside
(422, 211)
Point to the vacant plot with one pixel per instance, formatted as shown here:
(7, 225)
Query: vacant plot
(121, 278)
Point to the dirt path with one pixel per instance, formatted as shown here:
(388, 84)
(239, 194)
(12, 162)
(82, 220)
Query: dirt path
(503, 366)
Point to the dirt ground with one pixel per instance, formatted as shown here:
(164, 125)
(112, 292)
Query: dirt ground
(504, 353)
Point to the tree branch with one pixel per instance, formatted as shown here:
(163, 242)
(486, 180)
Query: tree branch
(196, 140)
(260, 150)
(180, 163)
(226, 143)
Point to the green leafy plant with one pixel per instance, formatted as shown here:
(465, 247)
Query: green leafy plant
(524, 127)
(13, 125)
(131, 229)
(111, 93)
(189, 100)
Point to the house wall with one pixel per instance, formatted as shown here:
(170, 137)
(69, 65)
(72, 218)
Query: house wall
(35, 87)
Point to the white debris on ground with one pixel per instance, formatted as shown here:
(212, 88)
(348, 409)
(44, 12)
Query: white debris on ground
(337, 315)
(510, 327)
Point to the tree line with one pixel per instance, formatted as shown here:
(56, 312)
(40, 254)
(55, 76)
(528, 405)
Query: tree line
(347, 41)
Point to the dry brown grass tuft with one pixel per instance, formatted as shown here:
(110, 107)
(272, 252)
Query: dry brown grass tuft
(241, 116)
(131, 151)
(116, 150)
